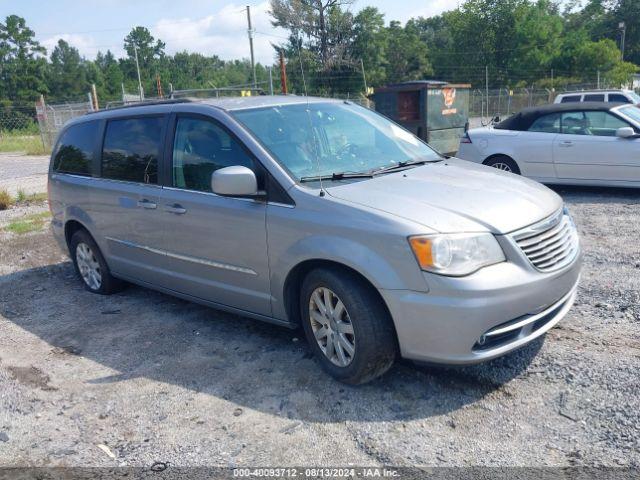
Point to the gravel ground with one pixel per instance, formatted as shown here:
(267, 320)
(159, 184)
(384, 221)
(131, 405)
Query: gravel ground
(141, 377)
(24, 172)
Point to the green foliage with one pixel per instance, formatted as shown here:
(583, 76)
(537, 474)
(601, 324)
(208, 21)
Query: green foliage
(520, 42)
(5, 200)
(24, 140)
(29, 223)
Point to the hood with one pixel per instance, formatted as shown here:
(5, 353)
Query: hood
(455, 196)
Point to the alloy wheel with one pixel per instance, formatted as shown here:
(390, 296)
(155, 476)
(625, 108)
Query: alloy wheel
(332, 326)
(502, 166)
(88, 266)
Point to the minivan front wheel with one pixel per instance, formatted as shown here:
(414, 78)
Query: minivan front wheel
(346, 325)
(91, 266)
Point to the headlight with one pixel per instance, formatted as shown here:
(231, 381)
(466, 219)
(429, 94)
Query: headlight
(456, 254)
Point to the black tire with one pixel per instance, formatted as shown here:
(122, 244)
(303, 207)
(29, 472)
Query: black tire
(374, 336)
(501, 161)
(108, 283)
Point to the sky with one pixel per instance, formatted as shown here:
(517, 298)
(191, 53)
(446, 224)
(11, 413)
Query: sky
(205, 26)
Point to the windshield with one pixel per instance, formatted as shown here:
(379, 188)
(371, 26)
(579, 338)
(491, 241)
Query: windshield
(632, 112)
(634, 96)
(321, 139)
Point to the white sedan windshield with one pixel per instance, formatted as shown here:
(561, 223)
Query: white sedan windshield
(632, 112)
(319, 139)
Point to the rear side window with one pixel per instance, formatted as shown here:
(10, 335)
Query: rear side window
(75, 149)
(594, 98)
(617, 97)
(546, 124)
(131, 149)
(571, 99)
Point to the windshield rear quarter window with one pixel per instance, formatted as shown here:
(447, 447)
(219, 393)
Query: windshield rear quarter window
(131, 149)
(75, 150)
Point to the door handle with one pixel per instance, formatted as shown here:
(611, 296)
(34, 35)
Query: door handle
(148, 204)
(175, 208)
(566, 143)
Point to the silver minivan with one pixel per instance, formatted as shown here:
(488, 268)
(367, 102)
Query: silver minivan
(319, 214)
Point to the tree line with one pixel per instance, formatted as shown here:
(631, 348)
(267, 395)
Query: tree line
(518, 43)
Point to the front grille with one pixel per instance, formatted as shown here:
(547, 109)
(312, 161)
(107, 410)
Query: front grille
(550, 244)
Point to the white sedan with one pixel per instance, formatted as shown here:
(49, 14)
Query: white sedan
(578, 144)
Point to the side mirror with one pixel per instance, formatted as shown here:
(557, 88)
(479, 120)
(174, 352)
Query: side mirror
(496, 119)
(625, 132)
(236, 181)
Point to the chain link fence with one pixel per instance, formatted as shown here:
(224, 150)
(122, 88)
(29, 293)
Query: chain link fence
(51, 118)
(43, 122)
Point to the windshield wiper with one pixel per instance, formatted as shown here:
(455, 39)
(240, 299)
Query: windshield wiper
(401, 166)
(336, 176)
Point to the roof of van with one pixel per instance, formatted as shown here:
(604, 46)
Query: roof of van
(224, 103)
(524, 119)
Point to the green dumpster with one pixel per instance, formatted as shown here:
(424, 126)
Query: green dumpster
(435, 111)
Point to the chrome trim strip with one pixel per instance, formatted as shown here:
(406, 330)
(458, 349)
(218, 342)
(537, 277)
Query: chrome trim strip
(201, 261)
(532, 318)
(539, 227)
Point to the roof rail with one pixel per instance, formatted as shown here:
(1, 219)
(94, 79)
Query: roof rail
(145, 103)
(193, 92)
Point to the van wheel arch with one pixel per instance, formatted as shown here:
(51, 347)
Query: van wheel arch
(293, 285)
(506, 159)
(70, 228)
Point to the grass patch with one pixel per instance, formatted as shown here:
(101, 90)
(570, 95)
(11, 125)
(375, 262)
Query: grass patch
(23, 198)
(5, 200)
(30, 223)
(22, 141)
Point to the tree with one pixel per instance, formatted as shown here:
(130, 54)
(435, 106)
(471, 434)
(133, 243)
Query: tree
(370, 44)
(22, 65)
(406, 54)
(323, 24)
(67, 75)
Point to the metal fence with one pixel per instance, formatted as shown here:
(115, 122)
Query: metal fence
(503, 102)
(51, 118)
(47, 120)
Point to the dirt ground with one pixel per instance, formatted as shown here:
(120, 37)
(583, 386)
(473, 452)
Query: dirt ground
(141, 377)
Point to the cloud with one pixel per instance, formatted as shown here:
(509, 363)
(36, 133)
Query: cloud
(432, 8)
(223, 33)
(86, 44)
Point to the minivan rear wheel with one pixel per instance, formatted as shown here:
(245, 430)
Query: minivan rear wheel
(347, 326)
(91, 266)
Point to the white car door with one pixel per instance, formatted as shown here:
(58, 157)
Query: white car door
(534, 148)
(587, 148)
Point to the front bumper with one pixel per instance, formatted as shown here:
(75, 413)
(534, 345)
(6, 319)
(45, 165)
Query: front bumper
(483, 316)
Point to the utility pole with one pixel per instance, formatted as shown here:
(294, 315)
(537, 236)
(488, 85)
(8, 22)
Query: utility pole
(486, 83)
(94, 97)
(283, 73)
(364, 77)
(159, 86)
(135, 49)
(250, 32)
(622, 26)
